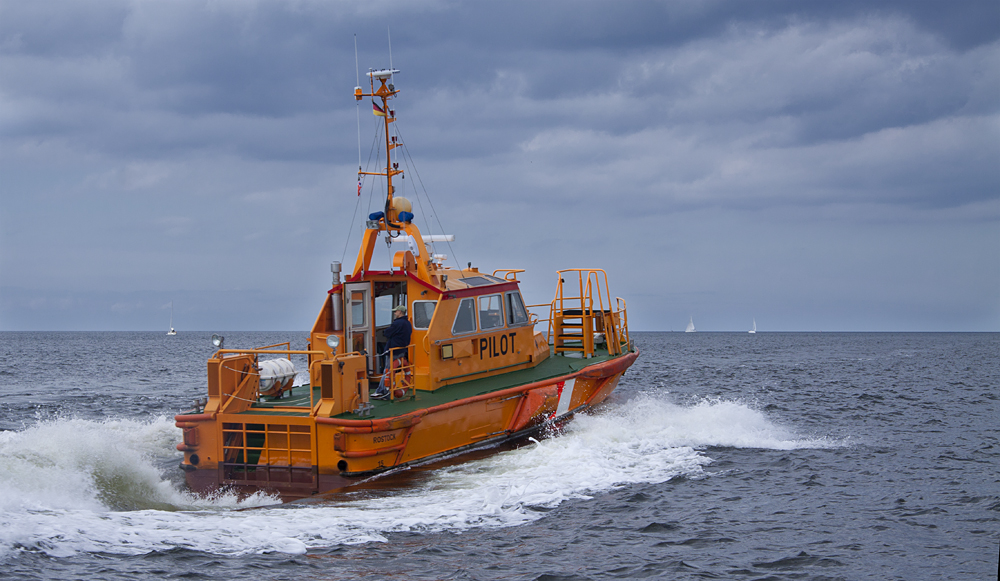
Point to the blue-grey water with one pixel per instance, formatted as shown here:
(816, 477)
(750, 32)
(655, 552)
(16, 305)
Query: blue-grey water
(720, 456)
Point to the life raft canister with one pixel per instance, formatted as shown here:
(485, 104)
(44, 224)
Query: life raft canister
(276, 376)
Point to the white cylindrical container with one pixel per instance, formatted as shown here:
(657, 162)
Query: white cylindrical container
(276, 375)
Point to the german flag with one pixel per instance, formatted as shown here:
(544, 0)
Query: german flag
(376, 110)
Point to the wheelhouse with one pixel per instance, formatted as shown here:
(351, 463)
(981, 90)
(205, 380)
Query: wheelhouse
(476, 326)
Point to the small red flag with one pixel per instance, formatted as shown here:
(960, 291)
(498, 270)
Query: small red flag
(359, 187)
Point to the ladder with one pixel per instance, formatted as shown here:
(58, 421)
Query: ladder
(581, 310)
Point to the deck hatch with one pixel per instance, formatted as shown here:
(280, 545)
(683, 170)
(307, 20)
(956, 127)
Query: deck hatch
(481, 280)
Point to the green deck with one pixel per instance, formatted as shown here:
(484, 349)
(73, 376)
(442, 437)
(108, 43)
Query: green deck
(553, 366)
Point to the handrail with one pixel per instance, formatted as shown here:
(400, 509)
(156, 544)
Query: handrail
(509, 271)
(538, 319)
(397, 380)
(400, 373)
(552, 322)
(265, 350)
(289, 343)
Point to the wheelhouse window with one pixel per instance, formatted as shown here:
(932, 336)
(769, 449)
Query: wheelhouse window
(358, 319)
(490, 312)
(465, 320)
(423, 312)
(516, 313)
(383, 311)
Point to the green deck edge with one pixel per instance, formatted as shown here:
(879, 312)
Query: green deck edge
(553, 366)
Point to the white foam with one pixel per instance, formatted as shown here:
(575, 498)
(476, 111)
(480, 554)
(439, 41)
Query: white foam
(67, 476)
(711, 422)
(81, 464)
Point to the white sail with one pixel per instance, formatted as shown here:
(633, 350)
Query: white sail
(171, 331)
(754, 330)
(690, 327)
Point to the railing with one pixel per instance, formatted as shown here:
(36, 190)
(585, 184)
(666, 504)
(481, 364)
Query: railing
(537, 319)
(586, 296)
(242, 386)
(401, 377)
(589, 286)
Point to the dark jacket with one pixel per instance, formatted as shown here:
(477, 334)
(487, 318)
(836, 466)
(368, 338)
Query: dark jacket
(398, 335)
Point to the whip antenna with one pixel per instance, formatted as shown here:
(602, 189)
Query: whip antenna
(389, 36)
(357, 74)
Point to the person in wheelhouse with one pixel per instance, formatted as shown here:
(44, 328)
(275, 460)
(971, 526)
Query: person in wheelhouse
(397, 345)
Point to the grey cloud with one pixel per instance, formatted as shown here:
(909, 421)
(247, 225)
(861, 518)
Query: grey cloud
(716, 155)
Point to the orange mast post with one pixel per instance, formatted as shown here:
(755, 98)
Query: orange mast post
(385, 92)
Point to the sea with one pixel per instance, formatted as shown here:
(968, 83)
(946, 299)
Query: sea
(742, 456)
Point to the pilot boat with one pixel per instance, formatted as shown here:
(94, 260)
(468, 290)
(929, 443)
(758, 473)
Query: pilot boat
(481, 366)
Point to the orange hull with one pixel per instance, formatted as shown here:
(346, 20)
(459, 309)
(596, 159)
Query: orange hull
(304, 455)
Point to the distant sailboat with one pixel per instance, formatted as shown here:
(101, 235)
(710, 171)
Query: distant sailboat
(754, 330)
(171, 331)
(690, 327)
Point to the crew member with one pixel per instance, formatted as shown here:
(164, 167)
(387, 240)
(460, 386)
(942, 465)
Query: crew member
(398, 336)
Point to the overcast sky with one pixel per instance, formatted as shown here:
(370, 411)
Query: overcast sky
(811, 165)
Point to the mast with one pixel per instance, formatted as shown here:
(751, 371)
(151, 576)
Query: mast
(385, 92)
(396, 217)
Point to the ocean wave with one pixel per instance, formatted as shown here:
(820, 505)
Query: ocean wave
(710, 422)
(84, 486)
